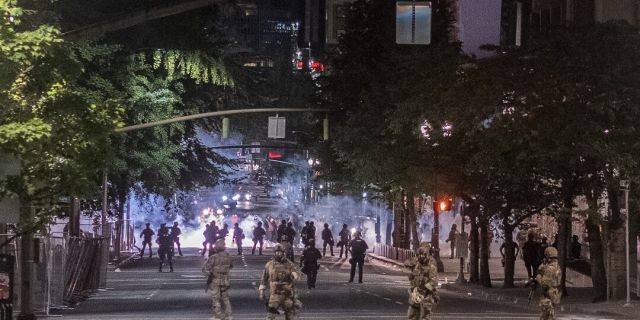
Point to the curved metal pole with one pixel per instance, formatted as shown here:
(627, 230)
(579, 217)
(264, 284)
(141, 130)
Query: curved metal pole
(216, 114)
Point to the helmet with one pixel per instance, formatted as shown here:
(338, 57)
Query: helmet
(424, 246)
(551, 252)
(278, 247)
(219, 245)
(278, 253)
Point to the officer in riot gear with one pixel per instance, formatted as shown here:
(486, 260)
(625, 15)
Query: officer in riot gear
(165, 247)
(423, 283)
(175, 234)
(217, 268)
(279, 276)
(549, 278)
(147, 235)
(309, 263)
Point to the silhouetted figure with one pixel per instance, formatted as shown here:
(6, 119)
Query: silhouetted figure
(281, 228)
(147, 237)
(303, 233)
(205, 233)
(358, 251)
(309, 263)
(238, 235)
(290, 233)
(175, 234)
(223, 233)
(311, 232)
(258, 237)
(531, 255)
(165, 247)
(327, 239)
(345, 238)
(452, 239)
(576, 247)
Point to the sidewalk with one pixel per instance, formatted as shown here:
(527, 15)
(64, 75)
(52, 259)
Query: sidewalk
(578, 289)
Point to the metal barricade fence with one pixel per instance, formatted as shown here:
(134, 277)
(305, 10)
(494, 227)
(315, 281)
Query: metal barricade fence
(6, 305)
(57, 260)
(83, 268)
(390, 252)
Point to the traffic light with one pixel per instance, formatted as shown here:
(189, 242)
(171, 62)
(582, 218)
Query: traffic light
(325, 128)
(442, 205)
(225, 128)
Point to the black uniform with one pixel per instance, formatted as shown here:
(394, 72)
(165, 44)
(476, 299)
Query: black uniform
(345, 238)
(358, 251)
(165, 248)
(290, 233)
(258, 237)
(530, 255)
(146, 235)
(175, 234)
(303, 234)
(238, 235)
(223, 233)
(311, 232)
(281, 228)
(309, 264)
(327, 239)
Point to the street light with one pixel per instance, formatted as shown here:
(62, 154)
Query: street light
(624, 185)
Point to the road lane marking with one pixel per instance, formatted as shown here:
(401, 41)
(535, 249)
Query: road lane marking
(152, 294)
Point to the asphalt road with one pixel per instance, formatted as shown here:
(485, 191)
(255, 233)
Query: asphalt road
(140, 292)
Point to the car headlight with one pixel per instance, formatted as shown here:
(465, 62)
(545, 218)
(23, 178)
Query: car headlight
(247, 197)
(236, 197)
(225, 198)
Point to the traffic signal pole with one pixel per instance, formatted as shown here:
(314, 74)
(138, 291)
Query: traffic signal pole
(435, 235)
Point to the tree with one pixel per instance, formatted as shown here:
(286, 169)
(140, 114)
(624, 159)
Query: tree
(377, 135)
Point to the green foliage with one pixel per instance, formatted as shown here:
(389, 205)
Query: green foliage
(197, 65)
(376, 83)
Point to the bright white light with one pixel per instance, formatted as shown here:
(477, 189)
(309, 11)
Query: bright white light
(205, 211)
(447, 128)
(321, 186)
(426, 129)
(219, 211)
(310, 162)
(364, 194)
(236, 197)
(353, 230)
(317, 162)
(11, 19)
(225, 198)
(247, 197)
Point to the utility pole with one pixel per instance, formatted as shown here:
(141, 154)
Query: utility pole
(26, 260)
(104, 261)
(624, 185)
(435, 235)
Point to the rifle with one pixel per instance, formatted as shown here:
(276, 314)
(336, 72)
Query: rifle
(533, 284)
(209, 281)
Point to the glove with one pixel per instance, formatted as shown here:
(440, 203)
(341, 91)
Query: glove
(261, 295)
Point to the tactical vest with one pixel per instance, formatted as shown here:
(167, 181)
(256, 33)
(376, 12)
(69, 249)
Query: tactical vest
(219, 265)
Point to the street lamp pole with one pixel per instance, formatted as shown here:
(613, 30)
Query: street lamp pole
(624, 185)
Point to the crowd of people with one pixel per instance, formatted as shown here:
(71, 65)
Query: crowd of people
(281, 272)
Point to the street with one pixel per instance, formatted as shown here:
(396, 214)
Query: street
(140, 292)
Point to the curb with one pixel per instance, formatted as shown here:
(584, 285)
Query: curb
(385, 260)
